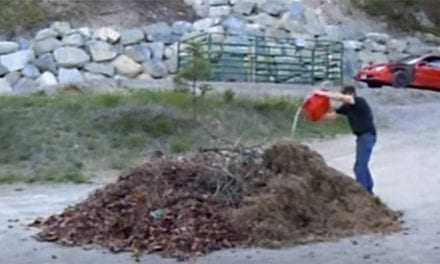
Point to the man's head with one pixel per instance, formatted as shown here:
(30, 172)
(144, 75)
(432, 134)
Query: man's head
(348, 90)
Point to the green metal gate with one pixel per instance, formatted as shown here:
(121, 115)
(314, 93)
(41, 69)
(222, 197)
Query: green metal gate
(261, 59)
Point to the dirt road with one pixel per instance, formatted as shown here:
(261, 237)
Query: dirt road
(405, 166)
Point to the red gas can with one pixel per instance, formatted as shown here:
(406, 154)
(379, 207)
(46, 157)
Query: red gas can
(316, 106)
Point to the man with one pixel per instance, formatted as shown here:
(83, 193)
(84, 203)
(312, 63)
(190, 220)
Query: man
(360, 118)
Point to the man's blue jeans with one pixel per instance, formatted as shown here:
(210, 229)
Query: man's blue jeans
(364, 147)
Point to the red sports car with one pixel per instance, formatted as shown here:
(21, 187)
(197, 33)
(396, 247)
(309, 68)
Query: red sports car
(418, 72)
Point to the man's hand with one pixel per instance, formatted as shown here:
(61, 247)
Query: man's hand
(330, 116)
(322, 93)
(349, 99)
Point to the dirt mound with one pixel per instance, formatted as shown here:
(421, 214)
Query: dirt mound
(186, 206)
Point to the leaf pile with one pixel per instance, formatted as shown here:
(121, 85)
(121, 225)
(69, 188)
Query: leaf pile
(210, 200)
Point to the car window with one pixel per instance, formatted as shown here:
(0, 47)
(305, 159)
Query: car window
(409, 60)
(433, 62)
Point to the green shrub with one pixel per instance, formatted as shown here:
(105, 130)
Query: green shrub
(228, 96)
(180, 145)
(107, 100)
(159, 126)
(272, 104)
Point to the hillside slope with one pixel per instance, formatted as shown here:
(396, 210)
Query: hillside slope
(371, 15)
(19, 16)
(408, 15)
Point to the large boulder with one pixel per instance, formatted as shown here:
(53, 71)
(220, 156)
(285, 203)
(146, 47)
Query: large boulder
(126, 66)
(46, 79)
(25, 86)
(23, 44)
(254, 29)
(429, 38)
(344, 32)
(234, 24)
(17, 60)
(69, 76)
(291, 24)
(182, 27)
(423, 19)
(297, 11)
(189, 36)
(203, 24)
(373, 46)
(160, 32)
(46, 33)
(372, 57)
(397, 45)
(353, 45)
(139, 53)
(5, 87)
(263, 19)
(157, 50)
(101, 51)
(380, 38)
(301, 19)
(70, 57)
(3, 71)
(30, 71)
(217, 32)
(201, 7)
(274, 32)
(107, 34)
(315, 22)
(86, 32)
(13, 77)
(245, 7)
(273, 7)
(171, 51)
(219, 11)
(171, 65)
(46, 62)
(394, 56)
(75, 40)
(416, 47)
(46, 45)
(89, 76)
(8, 47)
(132, 36)
(100, 68)
(62, 27)
(144, 77)
(218, 2)
(155, 68)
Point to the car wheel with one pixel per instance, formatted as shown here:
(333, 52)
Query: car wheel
(401, 79)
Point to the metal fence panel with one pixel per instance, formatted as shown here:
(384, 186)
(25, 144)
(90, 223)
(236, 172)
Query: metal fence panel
(262, 59)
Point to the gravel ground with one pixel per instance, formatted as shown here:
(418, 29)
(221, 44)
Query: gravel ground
(404, 165)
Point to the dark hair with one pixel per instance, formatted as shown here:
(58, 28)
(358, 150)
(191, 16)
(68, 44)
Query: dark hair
(348, 89)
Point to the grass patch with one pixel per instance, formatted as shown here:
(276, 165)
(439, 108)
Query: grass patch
(180, 145)
(20, 13)
(68, 136)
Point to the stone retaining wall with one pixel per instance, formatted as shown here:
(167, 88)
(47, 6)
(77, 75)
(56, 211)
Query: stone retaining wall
(60, 55)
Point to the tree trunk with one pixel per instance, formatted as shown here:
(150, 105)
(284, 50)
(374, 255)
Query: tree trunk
(194, 100)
